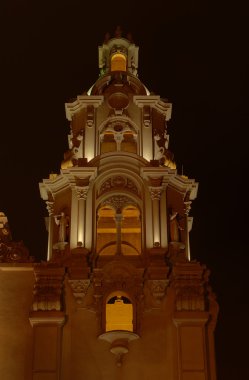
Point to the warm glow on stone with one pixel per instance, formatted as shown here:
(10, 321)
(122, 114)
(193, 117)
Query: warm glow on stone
(53, 176)
(119, 316)
(118, 62)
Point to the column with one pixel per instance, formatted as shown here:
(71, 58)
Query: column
(155, 193)
(191, 316)
(118, 219)
(192, 345)
(47, 340)
(187, 210)
(50, 208)
(118, 137)
(163, 220)
(89, 142)
(81, 192)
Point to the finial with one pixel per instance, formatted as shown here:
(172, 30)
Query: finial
(118, 32)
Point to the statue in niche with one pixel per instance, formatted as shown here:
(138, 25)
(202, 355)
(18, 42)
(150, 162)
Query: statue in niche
(62, 220)
(75, 151)
(175, 227)
(161, 152)
(158, 150)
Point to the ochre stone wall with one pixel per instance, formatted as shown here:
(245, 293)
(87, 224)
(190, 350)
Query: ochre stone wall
(16, 293)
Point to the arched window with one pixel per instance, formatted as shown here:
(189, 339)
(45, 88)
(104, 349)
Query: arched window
(118, 230)
(119, 313)
(129, 142)
(108, 143)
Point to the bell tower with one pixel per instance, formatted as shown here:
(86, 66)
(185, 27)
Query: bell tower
(124, 299)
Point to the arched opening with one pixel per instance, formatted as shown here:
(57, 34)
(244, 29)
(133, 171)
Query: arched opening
(118, 227)
(119, 313)
(129, 143)
(118, 62)
(106, 231)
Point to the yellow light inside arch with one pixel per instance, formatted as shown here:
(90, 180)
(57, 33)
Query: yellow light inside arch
(119, 316)
(118, 62)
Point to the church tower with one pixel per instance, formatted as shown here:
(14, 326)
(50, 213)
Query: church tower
(119, 296)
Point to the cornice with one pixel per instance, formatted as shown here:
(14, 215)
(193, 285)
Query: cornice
(155, 102)
(17, 267)
(82, 101)
(66, 179)
(154, 172)
(184, 185)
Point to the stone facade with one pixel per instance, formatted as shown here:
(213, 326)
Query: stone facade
(118, 234)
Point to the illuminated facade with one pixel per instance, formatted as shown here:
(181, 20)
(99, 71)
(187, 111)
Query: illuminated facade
(118, 297)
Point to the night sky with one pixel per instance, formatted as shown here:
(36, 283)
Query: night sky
(195, 53)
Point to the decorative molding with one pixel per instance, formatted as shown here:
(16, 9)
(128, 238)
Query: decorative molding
(14, 252)
(189, 283)
(82, 101)
(158, 289)
(119, 341)
(50, 318)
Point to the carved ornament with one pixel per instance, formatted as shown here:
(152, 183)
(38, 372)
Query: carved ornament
(14, 252)
(48, 287)
(158, 289)
(81, 192)
(118, 182)
(79, 289)
(155, 192)
(118, 202)
(189, 282)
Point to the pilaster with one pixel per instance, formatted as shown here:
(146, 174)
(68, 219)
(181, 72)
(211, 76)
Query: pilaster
(47, 319)
(191, 316)
(50, 208)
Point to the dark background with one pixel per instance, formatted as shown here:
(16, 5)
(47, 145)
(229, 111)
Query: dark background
(195, 53)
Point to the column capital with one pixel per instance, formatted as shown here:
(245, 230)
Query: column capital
(187, 207)
(155, 192)
(81, 192)
(50, 207)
